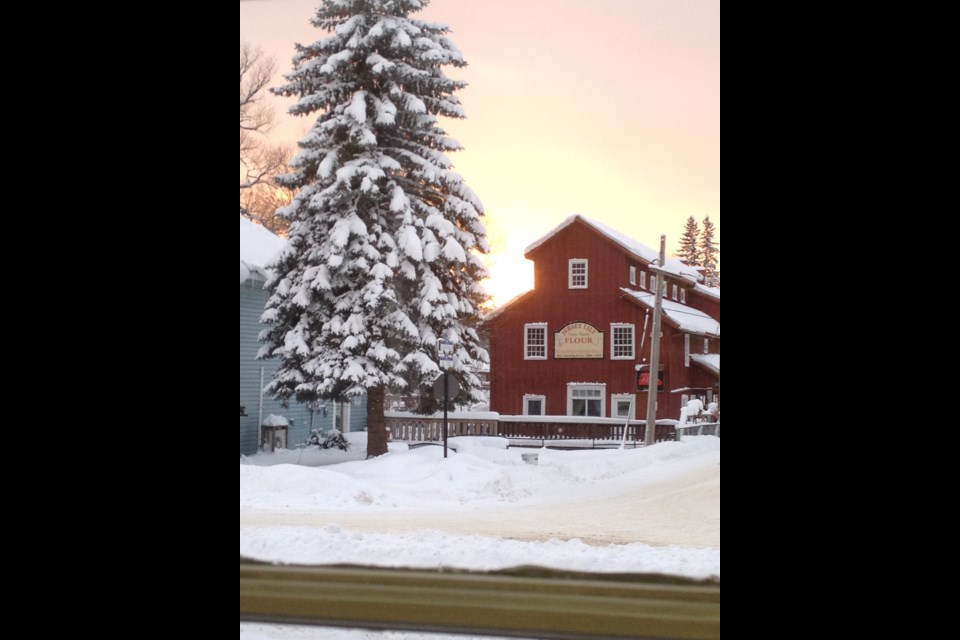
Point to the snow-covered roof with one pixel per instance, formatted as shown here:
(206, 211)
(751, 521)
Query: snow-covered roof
(273, 420)
(712, 292)
(709, 361)
(490, 315)
(642, 251)
(681, 316)
(258, 246)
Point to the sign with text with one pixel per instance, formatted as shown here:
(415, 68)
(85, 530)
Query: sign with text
(578, 340)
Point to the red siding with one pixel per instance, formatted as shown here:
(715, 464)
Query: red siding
(602, 303)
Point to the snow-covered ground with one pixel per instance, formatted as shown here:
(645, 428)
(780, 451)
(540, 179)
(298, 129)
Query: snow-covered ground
(654, 509)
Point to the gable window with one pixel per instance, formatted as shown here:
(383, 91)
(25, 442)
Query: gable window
(633, 275)
(643, 279)
(683, 296)
(621, 346)
(534, 405)
(706, 345)
(622, 406)
(535, 341)
(586, 399)
(578, 273)
(674, 292)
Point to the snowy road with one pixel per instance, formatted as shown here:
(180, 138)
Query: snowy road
(677, 508)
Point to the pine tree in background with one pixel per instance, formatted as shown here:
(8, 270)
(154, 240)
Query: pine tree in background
(382, 255)
(708, 254)
(689, 251)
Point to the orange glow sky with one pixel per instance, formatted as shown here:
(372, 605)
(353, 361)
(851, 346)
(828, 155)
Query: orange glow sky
(606, 108)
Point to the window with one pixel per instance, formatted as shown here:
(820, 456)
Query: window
(643, 279)
(578, 273)
(633, 275)
(621, 346)
(534, 405)
(586, 399)
(674, 296)
(706, 345)
(622, 406)
(535, 341)
(683, 296)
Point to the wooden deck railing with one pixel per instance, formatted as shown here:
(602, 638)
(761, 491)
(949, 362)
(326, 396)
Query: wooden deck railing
(410, 427)
(698, 429)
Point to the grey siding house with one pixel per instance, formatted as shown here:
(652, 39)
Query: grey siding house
(257, 247)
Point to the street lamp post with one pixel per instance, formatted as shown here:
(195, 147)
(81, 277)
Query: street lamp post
(446, 361)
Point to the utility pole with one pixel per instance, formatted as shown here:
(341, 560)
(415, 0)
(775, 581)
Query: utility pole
(653, 387)
(446, 361)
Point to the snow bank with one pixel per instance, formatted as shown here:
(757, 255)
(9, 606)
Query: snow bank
(477, 474)
(428, 549)
(653, 509)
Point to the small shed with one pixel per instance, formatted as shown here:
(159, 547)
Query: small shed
(274, 433)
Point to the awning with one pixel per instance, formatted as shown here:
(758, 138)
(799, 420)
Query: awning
(687, 319)
(709, 361)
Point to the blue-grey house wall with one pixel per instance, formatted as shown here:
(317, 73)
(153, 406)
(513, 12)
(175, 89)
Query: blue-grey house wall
(252, 299)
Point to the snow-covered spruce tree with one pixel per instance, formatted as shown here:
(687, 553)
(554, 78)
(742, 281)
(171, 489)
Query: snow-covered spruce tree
(688, 243)
(382, 259)
(708, 254)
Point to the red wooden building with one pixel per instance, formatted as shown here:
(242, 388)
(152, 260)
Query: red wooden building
(577, 343)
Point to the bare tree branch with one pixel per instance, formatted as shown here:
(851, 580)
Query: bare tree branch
(260, 161)
(256, 72)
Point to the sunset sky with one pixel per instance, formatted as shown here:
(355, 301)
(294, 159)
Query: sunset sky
(605, 108)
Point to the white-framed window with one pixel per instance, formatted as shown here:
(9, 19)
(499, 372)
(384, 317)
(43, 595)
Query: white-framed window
(588, 400)
(706, 345)
(535, 341)
(676, 294)
(621, 341)
(683, 296)
(643, 279)
(534, 405)
(622, 406)
(686, 349)
(577, 273)
(633, 276)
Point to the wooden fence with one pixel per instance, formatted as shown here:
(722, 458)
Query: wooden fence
(538, 430)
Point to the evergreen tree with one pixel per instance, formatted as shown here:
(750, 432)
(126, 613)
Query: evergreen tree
(709, 251)
(382, 255)
(688, 243)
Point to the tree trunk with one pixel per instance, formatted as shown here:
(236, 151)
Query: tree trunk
(376, 423)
